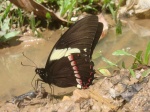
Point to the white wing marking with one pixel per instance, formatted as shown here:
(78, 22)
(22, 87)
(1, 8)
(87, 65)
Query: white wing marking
(59, 53)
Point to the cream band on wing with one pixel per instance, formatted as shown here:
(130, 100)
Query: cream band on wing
(59, 53)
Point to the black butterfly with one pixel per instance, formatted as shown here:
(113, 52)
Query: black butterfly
(69, 63)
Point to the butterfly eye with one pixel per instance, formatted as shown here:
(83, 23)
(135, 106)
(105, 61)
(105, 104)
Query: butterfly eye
(36, 70)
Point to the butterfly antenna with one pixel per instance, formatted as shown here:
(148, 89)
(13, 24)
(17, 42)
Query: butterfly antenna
(28, 65)
(28, 59)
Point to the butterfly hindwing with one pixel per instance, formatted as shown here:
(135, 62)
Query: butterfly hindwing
(72, 72)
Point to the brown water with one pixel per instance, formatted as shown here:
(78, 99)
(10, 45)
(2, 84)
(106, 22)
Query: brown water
(15, 79)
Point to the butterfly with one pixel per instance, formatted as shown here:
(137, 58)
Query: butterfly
(69, 63)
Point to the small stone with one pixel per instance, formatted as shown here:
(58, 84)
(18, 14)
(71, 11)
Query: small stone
(74, 19)
(65, 98)
(79, 94)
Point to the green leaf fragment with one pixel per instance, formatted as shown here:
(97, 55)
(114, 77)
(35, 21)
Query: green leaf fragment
(105, 72)
(147, 54)
(121, 52)
(48, 16)
(10, 35)
(138, 57)
(132, 72)
(146, 73)
(109, 62)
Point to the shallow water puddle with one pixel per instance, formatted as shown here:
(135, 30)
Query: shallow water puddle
(131, 40)
(16, 79)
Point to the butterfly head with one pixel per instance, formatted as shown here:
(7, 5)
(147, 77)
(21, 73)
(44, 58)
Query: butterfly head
(42, 73)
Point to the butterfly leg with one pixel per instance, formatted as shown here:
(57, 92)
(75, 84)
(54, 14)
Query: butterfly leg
(37, 84)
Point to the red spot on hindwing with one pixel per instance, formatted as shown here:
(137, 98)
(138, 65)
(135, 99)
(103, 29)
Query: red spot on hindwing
(91, 73)
(79, 81)
(75, 72)
(75, 68)
(77, 75)
(70, 57)
(91, 66)
(73, 63)
(85, 86)
(89, 80)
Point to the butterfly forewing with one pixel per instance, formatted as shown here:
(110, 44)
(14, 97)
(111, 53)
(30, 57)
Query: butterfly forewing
(84, 28)
(81, 35)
